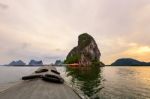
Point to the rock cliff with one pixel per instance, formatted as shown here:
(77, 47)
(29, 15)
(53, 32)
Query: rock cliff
(17, 63)
(58, 62)
(35, 63)
(86, 53)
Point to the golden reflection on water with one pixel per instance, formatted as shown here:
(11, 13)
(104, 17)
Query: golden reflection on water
(113, 82)
(142, 74)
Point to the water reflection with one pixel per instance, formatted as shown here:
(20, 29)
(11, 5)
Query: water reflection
(87, 79)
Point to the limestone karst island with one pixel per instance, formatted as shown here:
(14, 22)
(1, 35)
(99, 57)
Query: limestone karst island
(86, 53)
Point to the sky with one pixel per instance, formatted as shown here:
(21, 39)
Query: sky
(48, 29)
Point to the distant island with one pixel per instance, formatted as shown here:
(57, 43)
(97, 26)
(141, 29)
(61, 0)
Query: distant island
(58, 63)
(35, 63)
(129, 62)
(86, 53)
(17, 63)
(21, 63)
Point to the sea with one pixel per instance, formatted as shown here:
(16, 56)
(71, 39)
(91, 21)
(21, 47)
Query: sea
(117, 82)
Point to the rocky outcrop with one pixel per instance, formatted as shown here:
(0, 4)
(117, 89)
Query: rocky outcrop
(58, 62)
(36, 63)
(85, 53)
(129, 62)
(17, 63)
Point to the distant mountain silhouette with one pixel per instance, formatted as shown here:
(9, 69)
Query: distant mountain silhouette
(35, 63)
(129, 62)
(58, 62)
(17, 63)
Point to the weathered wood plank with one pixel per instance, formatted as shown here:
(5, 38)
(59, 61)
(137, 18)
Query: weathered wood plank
(39, 89)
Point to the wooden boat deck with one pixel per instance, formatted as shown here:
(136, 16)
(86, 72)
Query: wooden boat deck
(39, 89)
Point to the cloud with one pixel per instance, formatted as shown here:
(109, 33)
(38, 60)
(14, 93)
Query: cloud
(140, 52)
(47, 28)
(3, 6)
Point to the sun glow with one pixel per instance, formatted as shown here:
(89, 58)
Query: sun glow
(139, 52)
(144, 49)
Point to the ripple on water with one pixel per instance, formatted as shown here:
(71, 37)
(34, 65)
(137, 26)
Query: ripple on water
(115, 82)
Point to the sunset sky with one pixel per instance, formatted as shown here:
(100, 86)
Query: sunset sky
(49, 29)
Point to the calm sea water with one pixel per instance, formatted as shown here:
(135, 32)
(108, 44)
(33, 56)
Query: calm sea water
(110, 82)
(96, 83)
(12, 74)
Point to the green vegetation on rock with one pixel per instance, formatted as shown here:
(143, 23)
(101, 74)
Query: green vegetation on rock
(97, 63)
(72, 59)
